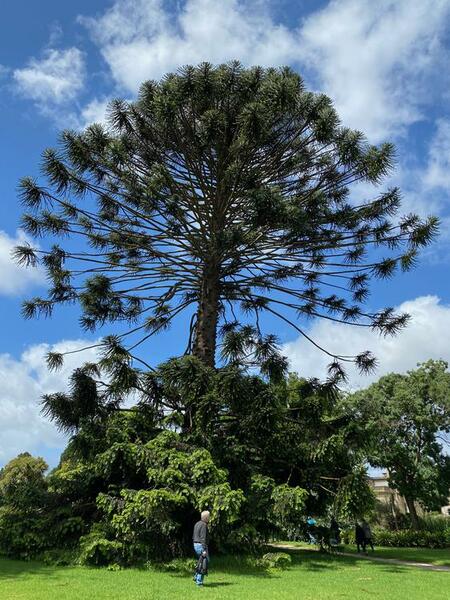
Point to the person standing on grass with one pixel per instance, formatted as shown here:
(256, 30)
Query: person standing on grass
(367, 534)
(335, 532)
(360, 538)
(311, 530)
(200, 538)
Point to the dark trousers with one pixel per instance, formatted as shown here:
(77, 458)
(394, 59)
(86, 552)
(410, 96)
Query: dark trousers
(369, 542)
(362, 543)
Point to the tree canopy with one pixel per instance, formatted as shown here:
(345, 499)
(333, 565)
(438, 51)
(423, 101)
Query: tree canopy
(406, 419)
(130, 483)
(223, 192)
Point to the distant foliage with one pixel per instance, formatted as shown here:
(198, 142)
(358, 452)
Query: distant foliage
(410, 538)
(405, 419)
(31, 518)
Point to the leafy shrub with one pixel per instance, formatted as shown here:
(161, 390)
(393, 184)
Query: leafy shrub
(96, 550)
(23, 535)
(244, 539)
(183, 566)
(410, 538)
(275, 560)
(435, 523)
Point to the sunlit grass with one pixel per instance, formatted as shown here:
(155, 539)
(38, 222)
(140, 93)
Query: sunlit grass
(312, 577)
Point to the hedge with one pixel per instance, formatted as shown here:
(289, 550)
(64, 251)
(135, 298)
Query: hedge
(405, 538)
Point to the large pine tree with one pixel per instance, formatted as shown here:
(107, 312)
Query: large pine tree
(224, 191)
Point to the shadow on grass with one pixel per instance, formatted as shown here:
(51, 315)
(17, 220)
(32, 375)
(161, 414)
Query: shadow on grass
(236, 565)
(316, 561)
(13, 569)
(229, 566)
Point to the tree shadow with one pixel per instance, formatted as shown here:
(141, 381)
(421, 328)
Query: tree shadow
(13, 569)
(235, 565)
(317, 561)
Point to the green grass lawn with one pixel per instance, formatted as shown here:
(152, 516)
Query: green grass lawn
(426, 555)
(312, 577)
(439, 557)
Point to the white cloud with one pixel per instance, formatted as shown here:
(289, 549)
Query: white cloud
(22, 384)
(54, 79)
(141, 39)
(15, 279)
(438, 170)
(94, 112)
(424, 338)
(426, 189)
(373, 59)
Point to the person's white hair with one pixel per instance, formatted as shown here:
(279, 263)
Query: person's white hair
(205, 516)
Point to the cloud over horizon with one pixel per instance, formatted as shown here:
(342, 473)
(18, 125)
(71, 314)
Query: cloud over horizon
(23, 381)
(422, 339)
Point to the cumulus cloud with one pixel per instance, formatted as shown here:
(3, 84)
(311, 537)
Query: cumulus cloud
(15, 279)
(22, 384)
(142, 39)
(374, 59)
(438, 169)
(424, 338)
(93, 112)
(53, 80)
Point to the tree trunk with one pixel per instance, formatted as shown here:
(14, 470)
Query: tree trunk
(413, 512)
(205, 333)
(207, 317)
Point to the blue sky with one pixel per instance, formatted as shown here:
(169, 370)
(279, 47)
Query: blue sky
(385, 65)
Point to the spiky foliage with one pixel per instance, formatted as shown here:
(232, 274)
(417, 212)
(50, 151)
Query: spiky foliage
(225, 192)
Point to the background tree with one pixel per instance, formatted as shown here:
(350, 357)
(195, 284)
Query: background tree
(24, 520)
(22, 481)
(225, 192)
(406, 419)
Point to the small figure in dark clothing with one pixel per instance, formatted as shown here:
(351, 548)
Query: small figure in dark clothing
(200, 538)
(367, 534)
(360, 538)
(335, 532)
